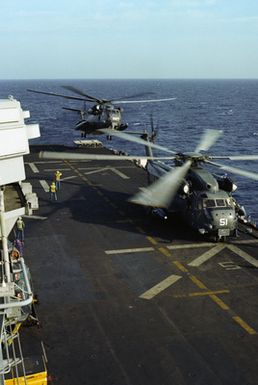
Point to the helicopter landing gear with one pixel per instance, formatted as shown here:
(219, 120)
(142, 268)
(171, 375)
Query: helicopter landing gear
(109, 137)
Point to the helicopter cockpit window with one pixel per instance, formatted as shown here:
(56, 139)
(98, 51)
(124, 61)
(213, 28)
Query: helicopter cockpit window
(209, 203)
(220, 202)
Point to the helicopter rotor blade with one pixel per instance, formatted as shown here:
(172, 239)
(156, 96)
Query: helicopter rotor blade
(208, 138)
(162, 192)
(235, 157)
(235, 170)
(56, 94)
(79, 92)
(131, 138)
(81, 156)
(117, 101)
(132, 96)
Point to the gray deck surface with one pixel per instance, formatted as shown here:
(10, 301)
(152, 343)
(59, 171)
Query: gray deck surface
(127, 299)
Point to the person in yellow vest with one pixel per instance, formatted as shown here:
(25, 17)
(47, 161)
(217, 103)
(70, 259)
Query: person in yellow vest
(52, 191)
(58, 175)
(20, 229)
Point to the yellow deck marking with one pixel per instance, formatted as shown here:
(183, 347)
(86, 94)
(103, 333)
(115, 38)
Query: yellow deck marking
(244, 325)
(180, 266)
(207, 255)
(163, 285)
(201, 293)
(244, 255)
(197, 282)
(219, 302)
(152, 240)
(165, 251)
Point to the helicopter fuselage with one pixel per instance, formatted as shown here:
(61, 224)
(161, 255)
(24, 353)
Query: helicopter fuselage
(99, 117)
(200, 201)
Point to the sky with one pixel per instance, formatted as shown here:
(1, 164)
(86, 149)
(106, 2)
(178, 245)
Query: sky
(86, 39)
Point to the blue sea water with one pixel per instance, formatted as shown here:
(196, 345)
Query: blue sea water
(228, 105)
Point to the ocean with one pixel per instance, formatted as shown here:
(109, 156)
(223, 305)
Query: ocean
(228, 105)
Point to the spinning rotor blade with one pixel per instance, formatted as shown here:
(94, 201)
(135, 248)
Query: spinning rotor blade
(72, 109)
(79, 92)
(55, 94)
(234, 170)
(132, 96)
(235, 157)
(131, 138)
(80, 156)
(208, 139)
(162, 192)
(142, 101)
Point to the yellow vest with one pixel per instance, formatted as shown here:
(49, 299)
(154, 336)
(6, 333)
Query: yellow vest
(53, 187)
(58, 175)
(20, 224)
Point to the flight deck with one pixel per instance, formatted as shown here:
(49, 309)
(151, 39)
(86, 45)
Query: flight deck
(125, 298)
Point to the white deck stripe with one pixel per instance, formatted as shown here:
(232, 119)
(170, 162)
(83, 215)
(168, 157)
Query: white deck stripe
(126, 251)
(33, 167)
(189, 246)
(96, 170)
(206, 256)
(119, 173)
(163, 285)
(244, 255)
(35, 217)
(245, 242)
(44, 185)
(69, 177)
(59, 168)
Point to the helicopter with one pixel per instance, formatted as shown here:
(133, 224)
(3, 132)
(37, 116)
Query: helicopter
(203, 199)
(103, 114)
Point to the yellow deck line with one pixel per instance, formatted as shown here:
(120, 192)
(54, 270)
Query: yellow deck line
(152, 240)
(202, 293)
(165, 251)
(244, 325)
(180, 266)
(197, 282)
(219, 302)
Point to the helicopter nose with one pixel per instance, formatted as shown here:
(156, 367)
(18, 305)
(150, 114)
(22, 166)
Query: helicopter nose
(224, 219)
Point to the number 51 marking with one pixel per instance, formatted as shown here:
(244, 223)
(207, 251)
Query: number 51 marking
(223, 221)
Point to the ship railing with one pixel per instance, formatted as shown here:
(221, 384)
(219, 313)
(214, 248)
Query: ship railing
(13, 356)
(26, 291)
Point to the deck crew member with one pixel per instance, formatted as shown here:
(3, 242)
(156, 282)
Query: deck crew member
(52, 191)
(20, 225)
(58, 175)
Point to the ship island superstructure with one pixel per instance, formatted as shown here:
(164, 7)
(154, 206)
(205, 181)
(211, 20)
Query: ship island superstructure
(16, 200)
